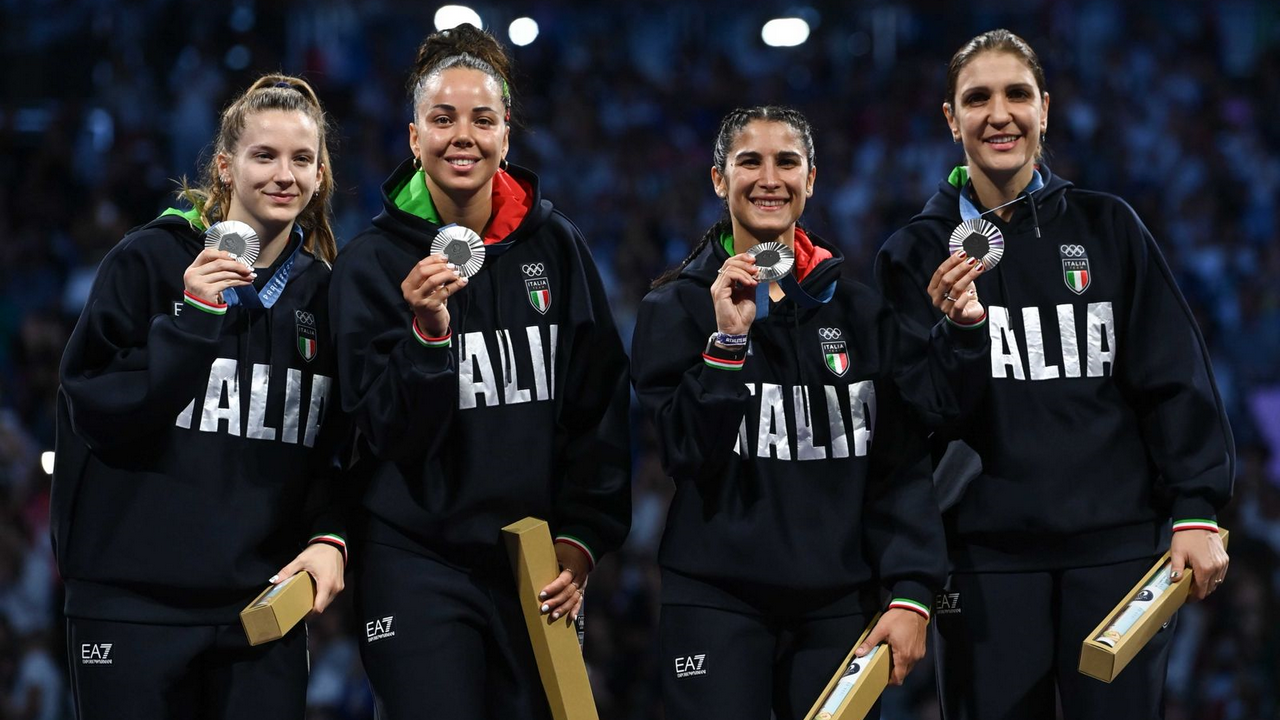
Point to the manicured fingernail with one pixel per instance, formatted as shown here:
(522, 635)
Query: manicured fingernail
(542, 596)
(555, 615)
(274, 579)
(981, 268)
(545, 607)
(253, 274)
(971, 261)
(451, 266)
(961, 254)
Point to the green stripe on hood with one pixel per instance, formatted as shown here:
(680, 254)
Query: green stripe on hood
(959, 176)
(192, 216)
(413, 197)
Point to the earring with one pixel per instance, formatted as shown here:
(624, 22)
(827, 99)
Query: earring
(503, 164)
(417, 163)
(1044, 136)
(955, 139)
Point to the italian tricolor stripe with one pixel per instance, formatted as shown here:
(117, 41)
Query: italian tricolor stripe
(1078, 279)
(428, 341)
(912, 605)
(571, 540)
(331, 539)
(838, 362)
(724, 364)
(204, 305)
(968, 326)
(1195, 524)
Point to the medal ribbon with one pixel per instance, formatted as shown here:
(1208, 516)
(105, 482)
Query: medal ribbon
(249, 297)
(969, 211)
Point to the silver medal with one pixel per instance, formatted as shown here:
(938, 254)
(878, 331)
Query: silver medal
(979, 239)
(234, 237)
(462, 246)
(774, 260)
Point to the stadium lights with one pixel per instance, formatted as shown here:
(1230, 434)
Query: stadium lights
(523, 31)
(451, 16)
(785, 32)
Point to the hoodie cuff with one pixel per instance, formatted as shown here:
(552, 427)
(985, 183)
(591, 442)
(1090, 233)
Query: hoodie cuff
(963, 335)
(581, 546)
(426, 340)
(331, 539)
(913, 596)
(200, 317)
(1193, 513)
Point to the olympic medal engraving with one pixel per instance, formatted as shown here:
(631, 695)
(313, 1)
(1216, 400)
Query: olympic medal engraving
(234, 237)
(462, 246)
(774, 260)
(979, 239)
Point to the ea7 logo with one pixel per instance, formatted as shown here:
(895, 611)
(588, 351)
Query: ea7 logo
(690, 665)
(95, 653)
(947, 604)
(379, 628)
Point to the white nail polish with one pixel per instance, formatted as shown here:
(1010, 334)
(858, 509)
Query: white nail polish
(273, 579)
(555, 616)
(546, 608)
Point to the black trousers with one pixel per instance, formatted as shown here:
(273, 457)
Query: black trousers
(441, 642)
(1014, 638)
(725, 664)
(127, 671)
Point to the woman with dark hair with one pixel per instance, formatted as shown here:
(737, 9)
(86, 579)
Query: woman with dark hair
(1101, 431)
(488, 383)
(195, 435)
(802, 475)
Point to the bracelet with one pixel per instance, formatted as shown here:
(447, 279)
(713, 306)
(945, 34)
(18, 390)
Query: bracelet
(729, 340)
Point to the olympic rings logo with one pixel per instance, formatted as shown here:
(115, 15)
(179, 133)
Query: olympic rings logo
(1071, 250)
(533, 269)
(829, 333)
(304, 317)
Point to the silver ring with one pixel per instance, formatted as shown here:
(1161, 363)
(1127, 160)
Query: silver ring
(948, 297)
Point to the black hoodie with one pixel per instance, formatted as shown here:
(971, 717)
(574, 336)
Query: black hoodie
(523, 413)
(1101, 419)
(195, 446)
(805, 471)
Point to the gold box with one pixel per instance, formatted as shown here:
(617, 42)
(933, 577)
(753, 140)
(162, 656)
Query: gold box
(274, 613)
(555, 643)
(1107, 650)
(857, 684)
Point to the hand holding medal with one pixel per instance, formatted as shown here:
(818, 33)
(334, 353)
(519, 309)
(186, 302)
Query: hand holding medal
(230, 247)
(976, 246)
(457, 253)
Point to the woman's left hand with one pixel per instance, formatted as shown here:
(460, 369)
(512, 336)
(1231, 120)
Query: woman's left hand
(325, 564)
(952, 290)
(564, 595)
(904, 631)
(1202, 551)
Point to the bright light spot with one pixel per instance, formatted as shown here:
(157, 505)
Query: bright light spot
(523, 31)
(451, 16)
(46, 462)
(785, 32)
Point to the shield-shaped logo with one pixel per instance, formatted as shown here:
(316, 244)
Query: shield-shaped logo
(834, 350)
(1075, 267)
(307, 345)
(537, 285)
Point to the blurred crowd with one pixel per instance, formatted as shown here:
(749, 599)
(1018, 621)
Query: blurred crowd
(1171, 105)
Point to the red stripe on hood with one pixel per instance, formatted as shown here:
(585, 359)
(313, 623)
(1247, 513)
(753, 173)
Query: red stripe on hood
(512, 199)
(808, 255)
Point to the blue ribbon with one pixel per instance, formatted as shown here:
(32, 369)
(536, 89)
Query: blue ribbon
(249, 297)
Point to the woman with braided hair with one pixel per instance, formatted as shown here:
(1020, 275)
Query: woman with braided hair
(803, 497)
(197, 433)
(484, 392)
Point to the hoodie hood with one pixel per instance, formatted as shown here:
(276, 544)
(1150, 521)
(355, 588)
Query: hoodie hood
(944, 206)
(821, 260)
(409, 212)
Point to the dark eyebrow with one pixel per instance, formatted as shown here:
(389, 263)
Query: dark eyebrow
(789, 155)
(450, 108)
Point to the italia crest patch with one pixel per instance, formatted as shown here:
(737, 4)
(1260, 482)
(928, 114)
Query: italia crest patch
(1075, 267)
(537, 285)
(307, 335)
(835, 353)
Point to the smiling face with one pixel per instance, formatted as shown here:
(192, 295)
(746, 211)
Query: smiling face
(274, 170)
(766, 181)
(998, 113)
(459, 132)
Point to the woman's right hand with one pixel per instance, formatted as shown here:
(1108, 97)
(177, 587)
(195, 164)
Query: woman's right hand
(953, 291)
(427, 289)
(734, 294)
(214, 271)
